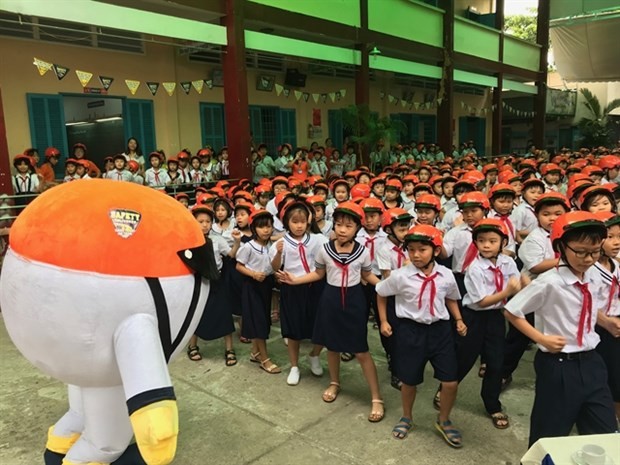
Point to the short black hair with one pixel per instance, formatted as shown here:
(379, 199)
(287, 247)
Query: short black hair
(339, 215)
(587, 235)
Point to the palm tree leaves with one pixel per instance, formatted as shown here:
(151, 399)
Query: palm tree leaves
(596, 129)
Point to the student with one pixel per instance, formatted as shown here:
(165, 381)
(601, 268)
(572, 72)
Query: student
(453, 216)
(155, 176)
(341, 322)
(552, 177)
(597, 199)
(426, 296)
(490, 280)
(119, 173)
(608, 320)
(571, 378)
(81, 170)
(524, 216)
(393, 188)
(71, 168)
(502, 198)
(318, 203)
(134, 169)
(196, 176)
(254, 264)
(224, 224)
(175, 175)
(25, 181)
(216, 321)
(377, 186)
(295, 254)
(52, 155)
(263, 195)
(278, 184)
(408, 197)
(391, 256)
(340, 193)
(427, 209)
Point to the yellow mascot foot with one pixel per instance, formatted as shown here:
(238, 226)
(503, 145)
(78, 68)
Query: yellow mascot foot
(60, 444)
(156, 427)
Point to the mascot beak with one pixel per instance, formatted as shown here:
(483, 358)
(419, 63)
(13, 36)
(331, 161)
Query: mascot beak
(201, 260)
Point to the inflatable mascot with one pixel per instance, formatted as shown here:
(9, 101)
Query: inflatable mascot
(102, 284)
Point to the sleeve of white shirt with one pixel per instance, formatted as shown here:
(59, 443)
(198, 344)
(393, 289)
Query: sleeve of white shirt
(320, 258)
(222, 246)
(527, 300)
(34, 182)
(273, 250)
(453, 288)
(448, 241)
(366, 262)
(383, 256)
(531, 253)
(474, 283)
(243, 254)
(389, 286)
(512, 270)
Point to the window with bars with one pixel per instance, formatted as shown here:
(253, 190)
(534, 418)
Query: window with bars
(212, 125)
(265, 127)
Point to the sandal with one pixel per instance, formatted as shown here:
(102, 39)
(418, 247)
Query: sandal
(376, 417)
(193, 353)
(244, 340)
(500, 420)
(451, 435)
(230, 357)
(254, 357)
(346, 356)
(482, 370)
(437, 400)
(272, 369)
(401, 430)
(330, 393)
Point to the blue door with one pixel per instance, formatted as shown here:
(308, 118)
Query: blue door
(139, 122)
(47, 126)
(212, 125)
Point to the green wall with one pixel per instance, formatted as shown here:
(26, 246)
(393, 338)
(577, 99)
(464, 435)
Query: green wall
(474, 39)
(340, 11)
(521, 54)
(406, 19)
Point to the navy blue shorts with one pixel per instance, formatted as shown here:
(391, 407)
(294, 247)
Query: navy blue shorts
(416, 344)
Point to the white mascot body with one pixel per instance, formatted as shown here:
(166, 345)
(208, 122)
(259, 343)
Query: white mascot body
(100, 287)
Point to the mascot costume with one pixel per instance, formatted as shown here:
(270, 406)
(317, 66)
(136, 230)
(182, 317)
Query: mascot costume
(103, 283)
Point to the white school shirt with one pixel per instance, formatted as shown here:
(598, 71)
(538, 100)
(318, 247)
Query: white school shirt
(524, 217)
(449, 218)
(196, 176)
(556, 301)
(510, 226)
(456, 242)
(611, 297)
(25, 183)
(480, 280)
(156, 178)
(448, 204)
(327, 228)
(137, 179)
(255, 257)
(226, 234)
(220, 249)
(390, 256)
(413, 296)
(406, 202)
(297, 255)
(116, 175)
(372, 243)
(535, 248)
(332, 262)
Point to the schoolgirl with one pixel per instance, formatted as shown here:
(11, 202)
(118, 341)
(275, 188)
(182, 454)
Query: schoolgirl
(341, 322)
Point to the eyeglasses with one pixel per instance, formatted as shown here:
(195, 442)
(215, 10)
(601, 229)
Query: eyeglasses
(583, 253)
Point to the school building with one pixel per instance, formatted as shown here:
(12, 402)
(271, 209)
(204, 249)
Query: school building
(188, 73)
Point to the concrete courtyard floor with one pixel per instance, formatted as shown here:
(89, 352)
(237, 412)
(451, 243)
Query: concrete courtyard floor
(242, 415)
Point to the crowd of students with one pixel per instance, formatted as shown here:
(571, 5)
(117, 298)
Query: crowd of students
(438, 255)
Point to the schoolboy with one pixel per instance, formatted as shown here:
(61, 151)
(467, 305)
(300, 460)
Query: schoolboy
(571, 377)
(426, 296)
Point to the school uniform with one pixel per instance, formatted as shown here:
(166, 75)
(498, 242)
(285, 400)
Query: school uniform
(217, 320)
(327, 228)
(24, 185)
(448, 204)
(196, 177)
(138, 179)
(571, 386)
(119, 175)
(609, 347)
(449, 219)
(508, 221)
(298, 304)
(535, 248)
(342, 316)
(224, 233)
(156, 178)
(424, 330)
(458, 244)
(485, 326)
(407, 203)
(524, 217)
(372, 243)
(255, 296)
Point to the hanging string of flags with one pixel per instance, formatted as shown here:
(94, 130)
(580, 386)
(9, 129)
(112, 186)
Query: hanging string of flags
(85, 78)
(316, 97)
(514, 111)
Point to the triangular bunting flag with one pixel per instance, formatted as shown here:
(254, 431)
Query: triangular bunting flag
(279, 89)
(84, 77)
(169, 87)
(391, 98)
(287, 92)
(209, 83)
(186, 86)
(315, 97)
(298, 94)
(416, 105)
(343, 92)
(306, 96)
(60, 71)
(428, 105)
(323, 98)
(338, 95)
(198, 85)
(153, 86)
(132, 85)
(106, 82)
(439, 100)
(403, 103)
(42, 66)
(332, 96)
(462, 104)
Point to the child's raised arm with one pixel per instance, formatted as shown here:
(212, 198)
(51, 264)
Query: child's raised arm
(287, 278)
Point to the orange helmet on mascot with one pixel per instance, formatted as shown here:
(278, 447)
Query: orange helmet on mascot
(79, 313)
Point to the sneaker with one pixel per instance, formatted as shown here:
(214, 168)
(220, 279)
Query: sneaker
(293, 377)
(315, 365)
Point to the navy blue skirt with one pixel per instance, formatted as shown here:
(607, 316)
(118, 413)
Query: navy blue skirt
(298, 306)
(342, 329)
(233, 280)
(216, 320)
(256, 307)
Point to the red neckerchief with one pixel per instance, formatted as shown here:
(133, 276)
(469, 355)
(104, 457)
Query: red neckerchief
(586, 312)
(506, 220)
(400, 254)
(498, 277)
(470, 255)
(302, 257)
(426, 281)
(613, 293)
(371, 241)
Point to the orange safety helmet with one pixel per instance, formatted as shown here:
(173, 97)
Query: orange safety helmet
(593, 170)
(490, 224)
(371, 205)
(243, 205)
(204, 153)
(595, 190)
(506, 177)
(609, 162)
(52, 152)
(424, 233)
(258, 214)
(394, 184)
(423, 186)
(241, 194)
(552, 198)
(351, 209)
(392, 215)
(360, 191)
(572, 221)
(316, 200)
(133, 166)
(610, 219)
(428, 201)
(489, 167)
(474, 199)
(501, 189)
(202, 208)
